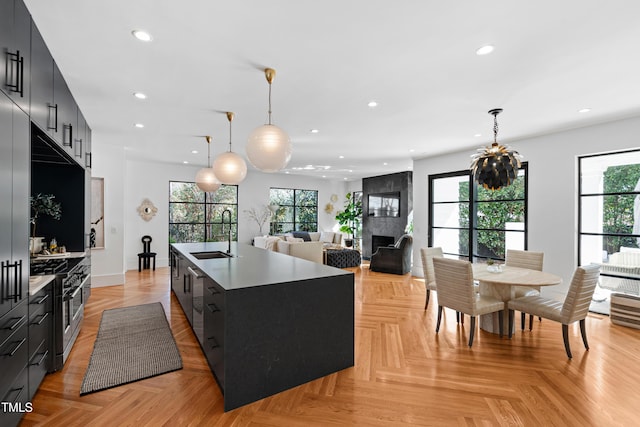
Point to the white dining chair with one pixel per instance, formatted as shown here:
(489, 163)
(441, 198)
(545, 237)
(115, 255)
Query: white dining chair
(456, 290)
(574, 308)
(532, 261)
(427, 255)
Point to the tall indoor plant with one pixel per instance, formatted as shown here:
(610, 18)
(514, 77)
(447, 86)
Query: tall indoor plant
(349, 218)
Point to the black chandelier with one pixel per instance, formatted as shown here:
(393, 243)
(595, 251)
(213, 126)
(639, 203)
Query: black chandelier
(496, 166)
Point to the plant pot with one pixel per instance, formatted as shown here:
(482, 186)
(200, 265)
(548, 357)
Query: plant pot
(348, 242)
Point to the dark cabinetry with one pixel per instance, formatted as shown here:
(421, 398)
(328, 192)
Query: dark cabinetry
(40, 328)
(15, 47)
(213, 334)
(182, 283)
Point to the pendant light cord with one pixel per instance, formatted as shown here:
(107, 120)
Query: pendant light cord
(495, 129)
(229, 135)
(269, 102)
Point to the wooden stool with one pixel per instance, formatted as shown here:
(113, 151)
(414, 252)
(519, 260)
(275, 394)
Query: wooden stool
(146, 254)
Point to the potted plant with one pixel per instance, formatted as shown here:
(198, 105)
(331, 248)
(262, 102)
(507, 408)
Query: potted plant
(349, 218)
(42, 204)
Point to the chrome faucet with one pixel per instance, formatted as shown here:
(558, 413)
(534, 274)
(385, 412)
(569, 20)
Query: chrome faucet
(229, 236)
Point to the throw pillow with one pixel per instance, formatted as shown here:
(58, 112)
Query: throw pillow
(271, 243)
(327, 236)
(294, 239)
(303, 235)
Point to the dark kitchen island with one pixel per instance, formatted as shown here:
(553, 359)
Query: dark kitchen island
(266, 321)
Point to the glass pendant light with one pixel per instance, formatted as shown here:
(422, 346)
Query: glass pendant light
(206, 179)
(269, 147)
(230, 168)
(496, 166)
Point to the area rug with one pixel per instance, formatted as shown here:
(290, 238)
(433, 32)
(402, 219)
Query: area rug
(133, 343)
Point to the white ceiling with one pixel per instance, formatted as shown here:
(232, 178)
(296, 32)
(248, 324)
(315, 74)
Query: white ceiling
(415, 58)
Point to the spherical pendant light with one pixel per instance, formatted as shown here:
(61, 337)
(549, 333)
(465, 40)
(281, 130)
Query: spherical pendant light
(230, 168)
(269, 148)
(206, 179)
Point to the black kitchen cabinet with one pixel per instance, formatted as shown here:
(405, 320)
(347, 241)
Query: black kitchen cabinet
(14, 241)
(213, 343)
(182, 284)
(40, 336)
(66, 112)
(43, 110)
(15, 50)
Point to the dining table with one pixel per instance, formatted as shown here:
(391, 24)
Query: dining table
(501, 282)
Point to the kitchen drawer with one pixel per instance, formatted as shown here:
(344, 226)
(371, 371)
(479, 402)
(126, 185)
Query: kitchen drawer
(38, 366)
(41, 301)
(16, 395)
(14, 354)
(39, 330)
(213, 345)
(11, 321)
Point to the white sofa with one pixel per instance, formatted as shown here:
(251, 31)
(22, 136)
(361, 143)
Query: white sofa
(311, 250)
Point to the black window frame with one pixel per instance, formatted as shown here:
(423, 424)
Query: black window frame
(275, 226)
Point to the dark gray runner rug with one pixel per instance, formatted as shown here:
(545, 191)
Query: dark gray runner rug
(133, 343)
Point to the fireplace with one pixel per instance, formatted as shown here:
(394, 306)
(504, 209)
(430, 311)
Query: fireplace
(377, 241)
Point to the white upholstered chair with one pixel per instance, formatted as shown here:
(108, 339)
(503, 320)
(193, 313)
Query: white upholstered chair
(456, 290)
(532, 261)
(574, 308)
(427, 255)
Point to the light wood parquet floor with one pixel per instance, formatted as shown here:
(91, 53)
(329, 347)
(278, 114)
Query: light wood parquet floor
(404, 373)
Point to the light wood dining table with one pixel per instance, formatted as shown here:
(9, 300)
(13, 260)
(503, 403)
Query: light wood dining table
(502, 285)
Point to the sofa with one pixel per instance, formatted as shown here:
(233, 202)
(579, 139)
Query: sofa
(311, 250)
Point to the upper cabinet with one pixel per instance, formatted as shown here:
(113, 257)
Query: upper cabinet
(53, 108)
(15, 46)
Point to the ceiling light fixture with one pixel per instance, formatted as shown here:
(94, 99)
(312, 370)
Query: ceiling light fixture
(139, 125)
(206, 179)
(484, 50)
(584, 110)
(194, 151)
(314, 131)
(372, 104)
(496, 166)
(140, 95)
(142, 35)
(269, 147)
(230, 168)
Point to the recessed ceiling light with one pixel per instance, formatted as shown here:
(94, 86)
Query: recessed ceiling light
(324, 176)
(484, 50)
(194, 151)
(314, 131)
(139, 125)
(350, 170)
(411, 150)
(287, 172)
(385, 163)
(185, 162)
(142, 35)
(341, 157)
(140, 95)
(477, 135)
(372, 104)
(345, 178)
(584, 110)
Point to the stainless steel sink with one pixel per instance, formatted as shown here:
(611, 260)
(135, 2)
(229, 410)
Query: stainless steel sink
(211, 255)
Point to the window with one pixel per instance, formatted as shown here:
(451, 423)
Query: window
(471, 222)
(609, 218)
(297, 210)
(196, 216)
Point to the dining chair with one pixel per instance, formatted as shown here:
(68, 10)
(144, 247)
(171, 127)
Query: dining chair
(532, 261)
(456, 290)
(574, 308)
(427, 255)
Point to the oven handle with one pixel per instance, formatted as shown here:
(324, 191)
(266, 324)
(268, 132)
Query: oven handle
(76, 290)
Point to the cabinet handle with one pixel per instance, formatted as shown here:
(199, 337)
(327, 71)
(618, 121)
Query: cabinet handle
(15, 350)
(18, 74)
(42, 359)
(44, 316)
(212, 307)
(78, 148)
(55, 123)
(4, 285)
(197, 274)
(213, 342)
(15, 325)
(19, 393)
(65, 127)
(212, 290)
(42, 300)
(87, 160)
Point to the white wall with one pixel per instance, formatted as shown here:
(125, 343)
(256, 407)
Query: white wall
(128, 182)
(107, 265)
(553, 187)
